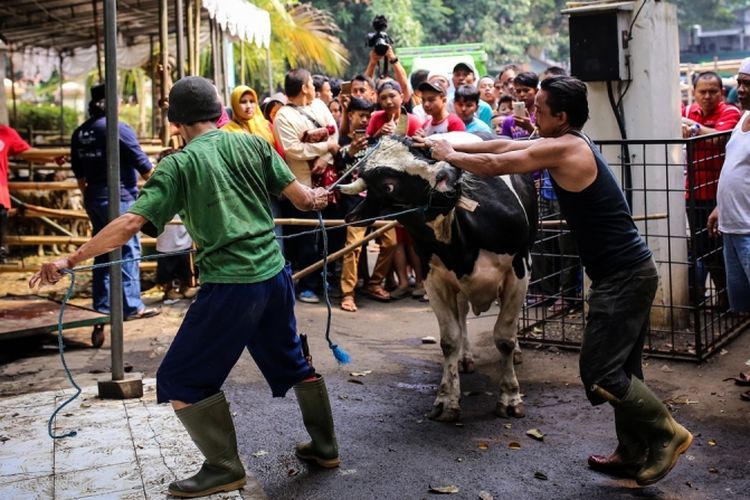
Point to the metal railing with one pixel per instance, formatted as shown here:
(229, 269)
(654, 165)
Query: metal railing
(670, 186)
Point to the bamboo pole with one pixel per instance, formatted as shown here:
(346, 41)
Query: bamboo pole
(637, 218)
(20, 241)
(347, 249)
(20, 268)
(190, 35)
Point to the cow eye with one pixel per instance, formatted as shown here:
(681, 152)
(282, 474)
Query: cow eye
(389, 188)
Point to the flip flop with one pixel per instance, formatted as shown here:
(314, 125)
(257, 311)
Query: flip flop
(745, 396)
(743, 379)
(379, 293)
(400, 293)
(348, 304)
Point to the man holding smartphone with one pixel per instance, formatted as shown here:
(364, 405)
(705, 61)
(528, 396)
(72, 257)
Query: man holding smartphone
(521, 124)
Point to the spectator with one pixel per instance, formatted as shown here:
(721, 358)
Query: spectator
(307, 133)
(246, 117)
(417, 77)
(271, 106)
(731, 217)
(553, 71)
(516, 125)
(465, 104)
(504, 110)
(463, 74)
(487, 93)
(335, 87)
(399, 73)
(707, 115)
(335, 108)
(88, 158)
(323, 88)
(504, 81)
(364, 88)
(439, 119)
(391, 118)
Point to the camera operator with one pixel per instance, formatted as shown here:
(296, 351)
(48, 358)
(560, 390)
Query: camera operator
(399, 73)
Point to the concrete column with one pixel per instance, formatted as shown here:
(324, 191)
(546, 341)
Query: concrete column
(651, 111)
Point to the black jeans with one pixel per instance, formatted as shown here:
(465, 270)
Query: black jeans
(616, 327)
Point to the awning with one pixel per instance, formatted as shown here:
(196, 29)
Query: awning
(241, 19)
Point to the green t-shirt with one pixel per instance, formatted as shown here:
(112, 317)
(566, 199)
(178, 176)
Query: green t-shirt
(220, 185)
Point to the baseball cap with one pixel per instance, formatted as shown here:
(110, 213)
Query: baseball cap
(193, 99)
(745, 66)
(463, 66)
(431, 87)
(389, 84)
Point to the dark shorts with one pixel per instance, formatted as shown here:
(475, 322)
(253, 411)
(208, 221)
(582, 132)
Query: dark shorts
(616, 327)
(224, 320)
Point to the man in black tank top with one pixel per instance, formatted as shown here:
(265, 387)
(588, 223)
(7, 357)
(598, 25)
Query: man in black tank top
(621, 268)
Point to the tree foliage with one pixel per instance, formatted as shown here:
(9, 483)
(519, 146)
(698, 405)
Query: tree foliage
(710, 14)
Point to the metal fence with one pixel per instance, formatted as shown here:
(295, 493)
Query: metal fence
(670, 186)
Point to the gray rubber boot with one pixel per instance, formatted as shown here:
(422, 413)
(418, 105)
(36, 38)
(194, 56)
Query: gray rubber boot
(665, 438)
(316, 415)
(210, 426)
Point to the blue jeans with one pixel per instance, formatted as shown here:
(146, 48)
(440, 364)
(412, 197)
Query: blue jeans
(131, 276)
(737, 262)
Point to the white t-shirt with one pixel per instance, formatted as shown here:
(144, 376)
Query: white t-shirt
(733, 196)
(174, 238)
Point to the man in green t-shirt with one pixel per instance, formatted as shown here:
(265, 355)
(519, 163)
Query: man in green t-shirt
(220, 184)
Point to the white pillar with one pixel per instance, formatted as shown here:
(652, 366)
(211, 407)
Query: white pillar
(651, 111)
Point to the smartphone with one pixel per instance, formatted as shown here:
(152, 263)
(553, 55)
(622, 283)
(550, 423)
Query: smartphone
(360, 132)
(519, 108)
(346, 88)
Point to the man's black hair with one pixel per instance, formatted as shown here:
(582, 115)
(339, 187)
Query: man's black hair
(527, 79)
(359, 104)
(555, 71)
(568, 94)
(294, 81)
(335, 86)
(708, 75)
(319, 80)
(364, 78)
(467, 93)
(418, 77)
(509, 67)
(505, 98)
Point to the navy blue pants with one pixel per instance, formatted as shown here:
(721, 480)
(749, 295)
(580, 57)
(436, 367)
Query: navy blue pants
(224, 320)
(131, 275)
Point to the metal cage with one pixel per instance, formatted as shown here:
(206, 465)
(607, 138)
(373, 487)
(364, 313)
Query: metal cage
(670, 186)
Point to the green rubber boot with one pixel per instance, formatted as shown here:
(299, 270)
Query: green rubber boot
(630, 454)
(316, 415)
(210, 426)
(666, 439)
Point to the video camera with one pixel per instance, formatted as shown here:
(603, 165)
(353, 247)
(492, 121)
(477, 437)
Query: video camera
(379, 40)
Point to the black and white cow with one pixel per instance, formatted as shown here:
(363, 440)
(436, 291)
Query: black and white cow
(474, 238)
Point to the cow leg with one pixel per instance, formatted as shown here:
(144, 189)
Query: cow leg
(466, 359)
(509, 403)
(444, 303)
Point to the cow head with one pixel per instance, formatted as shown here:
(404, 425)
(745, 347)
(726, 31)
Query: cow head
(398, 177)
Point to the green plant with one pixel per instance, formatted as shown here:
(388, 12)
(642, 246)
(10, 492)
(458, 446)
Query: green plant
(44, 117)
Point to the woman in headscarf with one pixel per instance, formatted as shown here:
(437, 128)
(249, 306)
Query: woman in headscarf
(247, 117)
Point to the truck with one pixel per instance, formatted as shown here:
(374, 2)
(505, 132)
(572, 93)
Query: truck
(442, 58)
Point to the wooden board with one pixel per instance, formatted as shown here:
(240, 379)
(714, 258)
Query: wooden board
(25, 315)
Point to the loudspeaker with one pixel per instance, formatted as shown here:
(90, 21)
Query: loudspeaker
(597, 45)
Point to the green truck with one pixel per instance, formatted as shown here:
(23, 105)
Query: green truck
(442, 58)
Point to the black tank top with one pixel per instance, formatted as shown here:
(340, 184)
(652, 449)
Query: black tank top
(601, 222)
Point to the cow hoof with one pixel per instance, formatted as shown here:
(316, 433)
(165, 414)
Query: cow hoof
(440, 414)
(506, 411)
(466, 366)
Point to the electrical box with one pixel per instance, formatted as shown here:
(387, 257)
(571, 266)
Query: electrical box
(599, 44)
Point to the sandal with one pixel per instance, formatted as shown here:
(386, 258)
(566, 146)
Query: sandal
(378, 293)
(745, 396)
(742, 379)
(348, 304)
(400, 293)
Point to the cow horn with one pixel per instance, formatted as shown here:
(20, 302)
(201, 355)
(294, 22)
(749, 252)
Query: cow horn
(355, 187)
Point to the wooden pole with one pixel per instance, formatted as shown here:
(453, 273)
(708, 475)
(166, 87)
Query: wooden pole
(164, 51)
(242, 62)
(16, 240)
(13, 88)
(180, 36)
(154, 99)
(190, 37)
(347, 249)
(197, 51)
(62, 107)
(97, 41)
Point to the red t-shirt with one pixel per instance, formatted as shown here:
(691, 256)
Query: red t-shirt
(451, 124)
(11, 144)
(377, 120)
(706, 157)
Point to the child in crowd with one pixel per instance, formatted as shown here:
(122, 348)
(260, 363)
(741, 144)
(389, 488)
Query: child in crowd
(466, 103)
(434, 102)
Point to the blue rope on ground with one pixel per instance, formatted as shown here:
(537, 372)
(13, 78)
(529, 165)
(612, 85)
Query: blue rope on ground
(340, 354)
